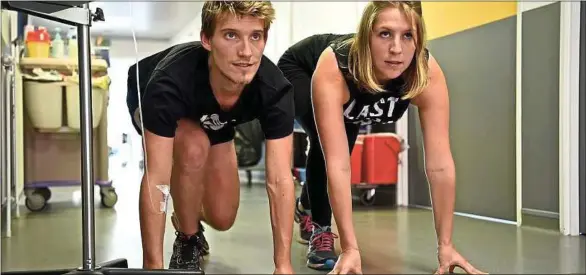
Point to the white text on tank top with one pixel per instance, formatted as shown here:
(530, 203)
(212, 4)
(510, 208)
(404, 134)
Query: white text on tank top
(380, 111)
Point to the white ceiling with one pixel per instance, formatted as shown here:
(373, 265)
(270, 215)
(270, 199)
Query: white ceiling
(160, 19)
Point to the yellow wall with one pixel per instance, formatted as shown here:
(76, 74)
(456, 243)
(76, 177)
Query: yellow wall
(445, 18)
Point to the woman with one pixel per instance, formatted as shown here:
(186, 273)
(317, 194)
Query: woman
(370, 77)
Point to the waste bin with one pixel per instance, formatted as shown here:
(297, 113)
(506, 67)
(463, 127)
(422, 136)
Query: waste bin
(356, 163)
(381, 158)
(98, 102)
(43, 102)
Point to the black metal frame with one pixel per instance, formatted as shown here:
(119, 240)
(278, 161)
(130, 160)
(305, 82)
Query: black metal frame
(78, 13)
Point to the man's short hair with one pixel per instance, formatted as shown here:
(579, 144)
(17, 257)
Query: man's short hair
(212, 10)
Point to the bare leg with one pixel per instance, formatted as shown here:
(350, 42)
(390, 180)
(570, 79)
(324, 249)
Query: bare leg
(222, 187)
(222, 190)
(213, 175)
(191, 154)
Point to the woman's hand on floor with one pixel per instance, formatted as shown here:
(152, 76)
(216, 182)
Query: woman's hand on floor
(449, 259)
(348, 263)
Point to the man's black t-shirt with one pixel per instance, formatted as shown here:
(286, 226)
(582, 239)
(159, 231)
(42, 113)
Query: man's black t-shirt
(175, 84)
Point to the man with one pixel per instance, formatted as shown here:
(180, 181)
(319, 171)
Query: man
(193, 95)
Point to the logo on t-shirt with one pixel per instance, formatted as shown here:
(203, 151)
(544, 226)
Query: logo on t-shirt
(380, 111)
(212, 122)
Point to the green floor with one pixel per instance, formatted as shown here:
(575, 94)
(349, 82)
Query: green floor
(392, 241)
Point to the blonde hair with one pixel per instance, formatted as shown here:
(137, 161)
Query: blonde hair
(360, 62)
(212, 10)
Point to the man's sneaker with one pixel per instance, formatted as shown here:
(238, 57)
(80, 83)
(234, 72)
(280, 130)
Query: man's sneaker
(305, 224)
(204, 246)
(186, 253)
(321, 254)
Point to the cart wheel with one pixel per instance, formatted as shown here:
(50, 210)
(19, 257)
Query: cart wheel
(35, 202)
(366, 198)
(109, 198)
(45, 192)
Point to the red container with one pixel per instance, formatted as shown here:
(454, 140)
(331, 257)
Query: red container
(380, 158)
(356, 162)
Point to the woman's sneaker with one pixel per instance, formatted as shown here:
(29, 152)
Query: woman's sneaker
(321, 254)
(305, 224)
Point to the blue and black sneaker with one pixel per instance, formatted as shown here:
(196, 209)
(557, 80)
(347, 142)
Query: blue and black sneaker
(321, 254)
(305, 224)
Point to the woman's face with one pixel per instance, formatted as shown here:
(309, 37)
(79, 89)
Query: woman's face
(392, 44)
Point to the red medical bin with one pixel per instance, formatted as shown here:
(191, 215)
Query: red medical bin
(380, 158)
(356, 163)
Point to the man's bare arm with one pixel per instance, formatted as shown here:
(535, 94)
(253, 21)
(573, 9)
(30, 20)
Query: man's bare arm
(152, 200)
(281, 192)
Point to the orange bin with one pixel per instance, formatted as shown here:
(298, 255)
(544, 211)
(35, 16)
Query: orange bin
(380, 158)
(356, 163)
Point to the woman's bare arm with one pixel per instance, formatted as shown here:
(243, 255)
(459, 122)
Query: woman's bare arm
(329, 92)
(434, 112)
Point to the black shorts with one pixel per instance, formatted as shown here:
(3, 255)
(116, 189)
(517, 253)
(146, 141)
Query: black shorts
(132, 103)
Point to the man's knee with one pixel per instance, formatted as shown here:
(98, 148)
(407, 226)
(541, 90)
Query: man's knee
(222, 221)
(191, 147)
(222, 190)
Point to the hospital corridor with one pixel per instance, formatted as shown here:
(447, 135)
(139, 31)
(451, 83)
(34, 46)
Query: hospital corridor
(471, 111)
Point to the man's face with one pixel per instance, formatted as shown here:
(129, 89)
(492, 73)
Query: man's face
(236, 47)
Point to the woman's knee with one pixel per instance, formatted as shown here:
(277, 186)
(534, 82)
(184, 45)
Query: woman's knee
(191, 146)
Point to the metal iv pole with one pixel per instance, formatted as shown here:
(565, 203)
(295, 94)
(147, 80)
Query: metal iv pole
(78, 13)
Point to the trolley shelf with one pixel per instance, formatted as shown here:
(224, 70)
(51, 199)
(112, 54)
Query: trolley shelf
(61, 64)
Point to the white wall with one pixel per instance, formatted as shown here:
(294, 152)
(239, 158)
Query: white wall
(526, 6)
(298, 20)
(295, 21)
(569, 118)
(320, 17)
(280, 32)
(190, 32)
(124, 48)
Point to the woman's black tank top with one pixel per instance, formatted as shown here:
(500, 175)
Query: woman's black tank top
(362, 107)
(305, 53)
(366, 108)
